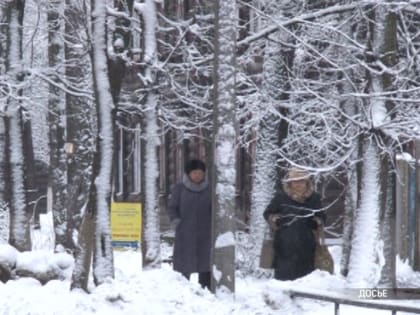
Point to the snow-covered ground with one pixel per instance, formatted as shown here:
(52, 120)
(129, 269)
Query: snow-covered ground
(162, 291)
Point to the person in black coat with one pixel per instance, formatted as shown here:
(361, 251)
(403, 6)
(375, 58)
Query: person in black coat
(294, 214)
(189, 210)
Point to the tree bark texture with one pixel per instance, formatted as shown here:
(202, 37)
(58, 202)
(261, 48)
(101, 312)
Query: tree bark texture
(80, 125)
(19, 235)
(224, 145)
(103, 266)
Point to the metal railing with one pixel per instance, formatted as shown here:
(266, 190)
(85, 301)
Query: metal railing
(372, 304)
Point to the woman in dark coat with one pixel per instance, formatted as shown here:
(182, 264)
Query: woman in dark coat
(291, 215)
(190, 214)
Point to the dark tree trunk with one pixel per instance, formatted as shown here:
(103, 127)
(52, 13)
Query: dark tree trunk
(389, 47)
(19, 236)
(80, 120)
(58, 163)
(84, 249)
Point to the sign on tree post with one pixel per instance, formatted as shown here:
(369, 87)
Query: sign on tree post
(224, 172)
(126, 224)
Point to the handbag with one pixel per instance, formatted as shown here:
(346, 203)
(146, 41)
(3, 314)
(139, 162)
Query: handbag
(267, 250)
(323, 259)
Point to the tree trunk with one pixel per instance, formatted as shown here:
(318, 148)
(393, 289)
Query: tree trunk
(364, 265)
(29, 169)
(224, 145)
(19, 236)
(80, 121)
(416, 144)
(4, 212)
(103, 266)
(84, 248)
(4, 208)
(387, 37)
(350, 205)
(372, 253)
(56, 120)
(352, 175)
(151, 222)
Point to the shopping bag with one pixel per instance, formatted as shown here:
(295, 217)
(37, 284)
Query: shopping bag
(267, 251)
(323, 258)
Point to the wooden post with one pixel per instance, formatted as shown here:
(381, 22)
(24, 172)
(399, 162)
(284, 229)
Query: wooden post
(402, 223)
(416, 150)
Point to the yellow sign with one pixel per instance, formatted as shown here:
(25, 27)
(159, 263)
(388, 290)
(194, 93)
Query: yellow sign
(126, 224)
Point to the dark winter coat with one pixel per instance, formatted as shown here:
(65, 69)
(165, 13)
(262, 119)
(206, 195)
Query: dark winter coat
(190, 213)
(294, 241)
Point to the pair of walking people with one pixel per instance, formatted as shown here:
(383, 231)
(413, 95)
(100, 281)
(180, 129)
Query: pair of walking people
(293, 214)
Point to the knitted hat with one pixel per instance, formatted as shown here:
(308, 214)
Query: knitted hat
(194, 164)
(297, 174)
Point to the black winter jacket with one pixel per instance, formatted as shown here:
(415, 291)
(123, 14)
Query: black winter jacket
(294, 241)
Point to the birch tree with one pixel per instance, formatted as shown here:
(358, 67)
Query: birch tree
(103, 267)
(224, 145)
(151, 223)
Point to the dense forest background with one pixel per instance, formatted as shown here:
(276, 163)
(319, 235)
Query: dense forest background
(329, 86)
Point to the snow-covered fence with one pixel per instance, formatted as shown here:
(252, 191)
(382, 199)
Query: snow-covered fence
(408, 208)
(338, 300)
